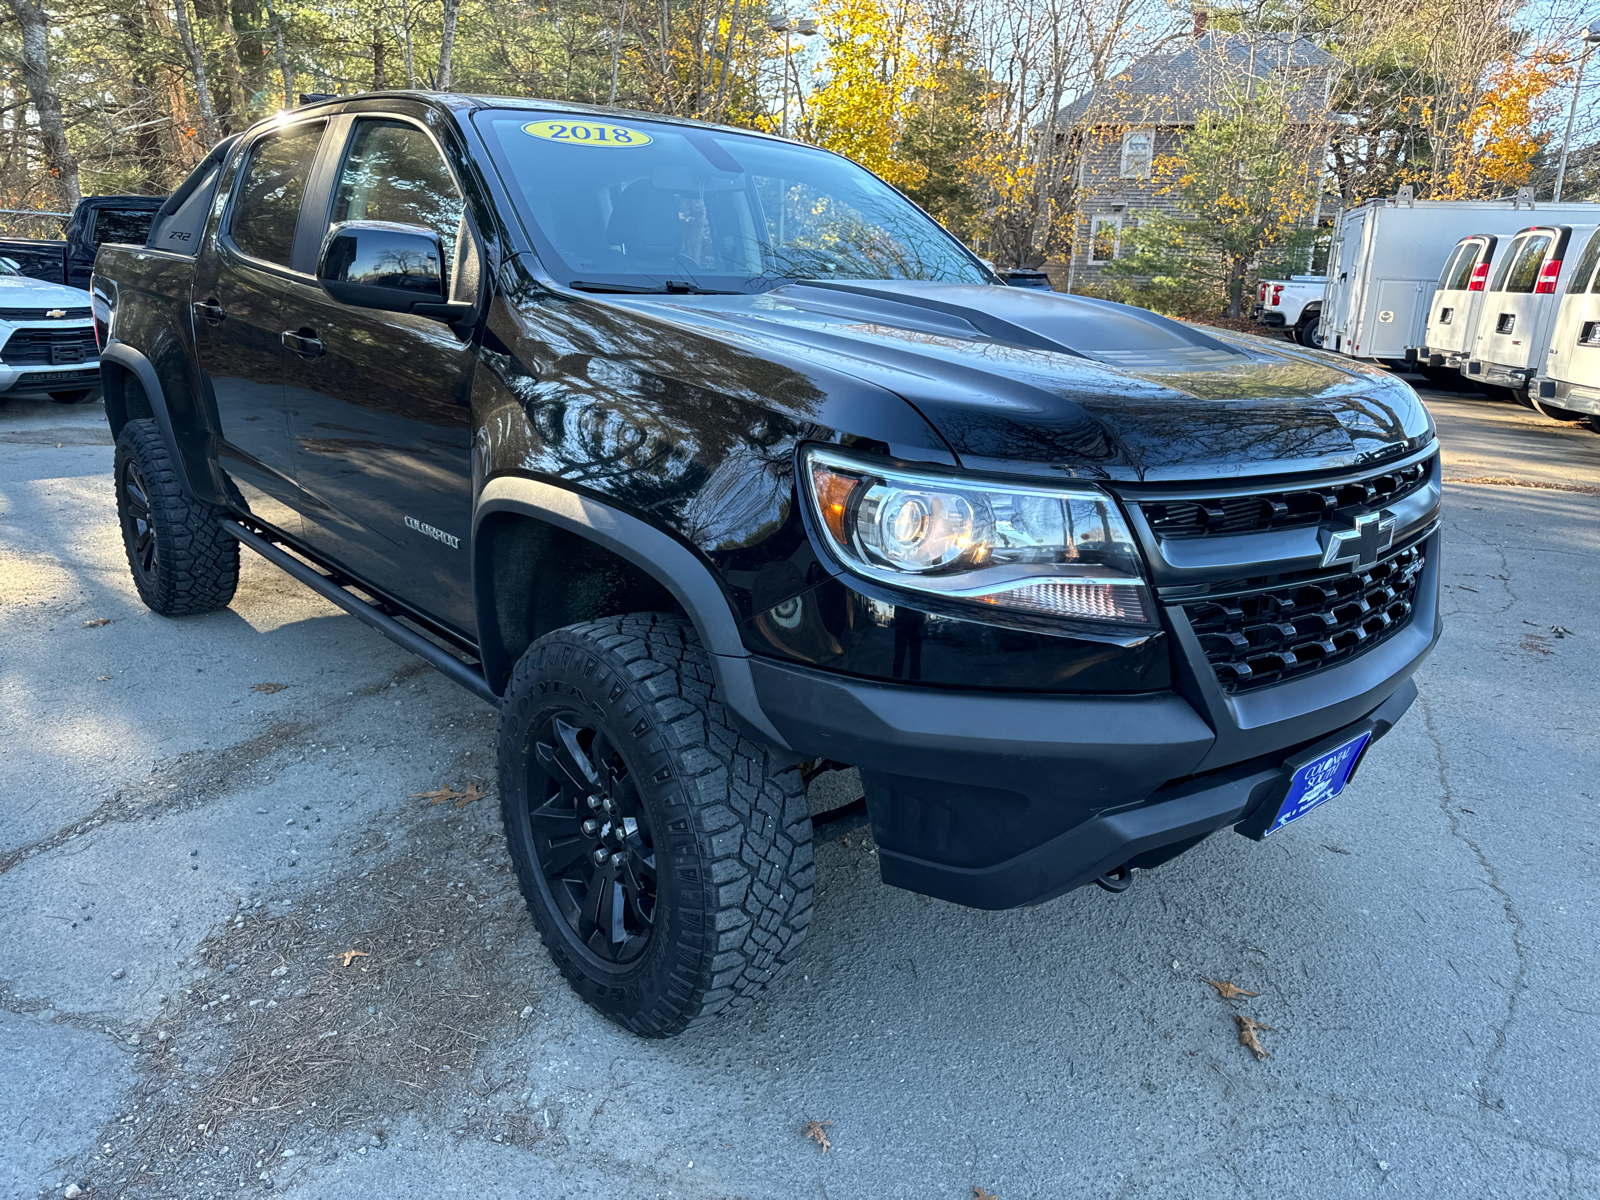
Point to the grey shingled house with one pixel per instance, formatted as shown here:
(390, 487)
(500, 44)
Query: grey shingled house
(1135, 117)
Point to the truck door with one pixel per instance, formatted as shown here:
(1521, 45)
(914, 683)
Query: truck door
(379, 403)
(1574, 355)
(1508, 326)
(237, 298)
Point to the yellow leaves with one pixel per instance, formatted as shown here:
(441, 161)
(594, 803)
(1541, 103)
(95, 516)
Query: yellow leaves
(1501, 137)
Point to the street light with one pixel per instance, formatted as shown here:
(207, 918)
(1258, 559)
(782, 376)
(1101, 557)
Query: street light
(1591, 39)
(805, 27)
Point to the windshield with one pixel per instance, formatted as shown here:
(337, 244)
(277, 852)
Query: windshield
(10, 266)
(637, 204)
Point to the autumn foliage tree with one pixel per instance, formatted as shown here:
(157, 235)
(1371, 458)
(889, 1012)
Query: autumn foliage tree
(1503, 135)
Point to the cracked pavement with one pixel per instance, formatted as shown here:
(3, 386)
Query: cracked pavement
(1423, 948)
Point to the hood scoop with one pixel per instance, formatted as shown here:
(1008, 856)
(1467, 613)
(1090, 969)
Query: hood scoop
(1129, 339)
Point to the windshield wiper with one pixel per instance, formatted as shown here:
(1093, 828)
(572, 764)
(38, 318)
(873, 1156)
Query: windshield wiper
(672, 287)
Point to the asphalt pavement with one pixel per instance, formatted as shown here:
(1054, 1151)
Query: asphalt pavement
(247, 946)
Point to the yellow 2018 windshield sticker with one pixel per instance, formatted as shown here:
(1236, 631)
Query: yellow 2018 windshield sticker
(587, 133)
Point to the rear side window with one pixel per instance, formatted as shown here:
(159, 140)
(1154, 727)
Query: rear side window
(394, 172)
(1462, 273)
(122, 225)
(266, 207)
(1450, 265)
(1584, 274)
(1520, 270)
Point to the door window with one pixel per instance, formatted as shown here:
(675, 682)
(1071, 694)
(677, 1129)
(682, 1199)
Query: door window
(123, 225)
(1587, 262)
(394, 172)
(1464, 266)
(1451, 264)
(267, 206)
(1520, 270)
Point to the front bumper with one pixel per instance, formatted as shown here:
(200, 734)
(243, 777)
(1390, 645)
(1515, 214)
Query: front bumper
(995, 800)
(41, 380)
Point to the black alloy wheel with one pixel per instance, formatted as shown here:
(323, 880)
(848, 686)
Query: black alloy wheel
(592, 837)
(138, 526)
(665, 857)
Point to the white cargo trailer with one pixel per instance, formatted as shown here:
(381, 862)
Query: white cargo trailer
(1384, 264)
(1568, 387)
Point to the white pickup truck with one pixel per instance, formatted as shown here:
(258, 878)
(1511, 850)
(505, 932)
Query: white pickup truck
(1293, 305)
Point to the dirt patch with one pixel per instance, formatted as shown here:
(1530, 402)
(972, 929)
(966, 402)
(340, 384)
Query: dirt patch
(66, 435)
(1508, 481)
(321, 1018)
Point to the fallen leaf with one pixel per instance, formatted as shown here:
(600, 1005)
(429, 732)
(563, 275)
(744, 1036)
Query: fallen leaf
(268, 688)
(474, 792)
(350, 956)
(1537, 643)
(97, 622)
(102, 678)
(979, 1194)
(438, 795)
(1561, 631)
(1247, 1034)
(1227, 990)
(815, 1131)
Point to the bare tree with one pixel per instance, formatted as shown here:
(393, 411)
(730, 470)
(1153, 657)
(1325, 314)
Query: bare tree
(282, 55)
(30, 17)
(197, 62)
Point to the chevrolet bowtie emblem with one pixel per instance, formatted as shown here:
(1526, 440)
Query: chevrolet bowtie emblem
(1373, 533)
(55, 312)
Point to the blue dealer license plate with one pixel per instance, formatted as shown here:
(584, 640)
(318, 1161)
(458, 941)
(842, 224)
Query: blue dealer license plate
(1318, 782)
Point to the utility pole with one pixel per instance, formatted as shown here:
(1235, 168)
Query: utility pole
(1591, 38)
(805, 27)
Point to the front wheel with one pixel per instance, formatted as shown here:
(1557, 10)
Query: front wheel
(182, 561)
(665, 858)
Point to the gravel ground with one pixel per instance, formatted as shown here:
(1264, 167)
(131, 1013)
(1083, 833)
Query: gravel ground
(241, 952)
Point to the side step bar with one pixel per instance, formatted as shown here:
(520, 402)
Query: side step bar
(440, 659)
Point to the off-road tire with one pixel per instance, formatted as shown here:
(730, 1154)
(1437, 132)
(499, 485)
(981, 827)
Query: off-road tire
(189, 565)
(731, 833)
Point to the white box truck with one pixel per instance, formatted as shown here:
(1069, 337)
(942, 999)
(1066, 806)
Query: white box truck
(1385, 259)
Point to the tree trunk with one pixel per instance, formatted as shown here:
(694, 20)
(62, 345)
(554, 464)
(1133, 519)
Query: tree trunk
(380, 72)
(197, 62)
(30, 17)
(233, 70)
(282, 55)
(447, 42)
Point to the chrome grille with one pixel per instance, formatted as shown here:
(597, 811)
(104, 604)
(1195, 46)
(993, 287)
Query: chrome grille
(1261, 511)
(1289, 626)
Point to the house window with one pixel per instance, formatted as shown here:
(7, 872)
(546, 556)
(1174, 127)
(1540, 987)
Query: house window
(1138, 152)
(1104, 232)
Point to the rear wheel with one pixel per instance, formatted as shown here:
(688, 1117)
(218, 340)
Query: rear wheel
(1308, 332)
(665, 858)
(182, 561)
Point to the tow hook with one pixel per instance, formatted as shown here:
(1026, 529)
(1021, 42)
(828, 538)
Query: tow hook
(1118, 879)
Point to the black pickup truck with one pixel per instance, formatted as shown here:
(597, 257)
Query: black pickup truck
(95, 220)
(712, 462)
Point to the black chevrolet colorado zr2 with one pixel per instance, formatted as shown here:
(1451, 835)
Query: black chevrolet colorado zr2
(712, 461)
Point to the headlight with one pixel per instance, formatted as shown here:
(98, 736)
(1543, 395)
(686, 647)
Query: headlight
(1059, 551)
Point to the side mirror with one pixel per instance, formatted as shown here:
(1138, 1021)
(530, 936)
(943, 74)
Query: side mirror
(378, 264)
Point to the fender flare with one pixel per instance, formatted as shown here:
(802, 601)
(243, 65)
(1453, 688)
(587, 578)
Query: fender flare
(668, 561)
(122, 355)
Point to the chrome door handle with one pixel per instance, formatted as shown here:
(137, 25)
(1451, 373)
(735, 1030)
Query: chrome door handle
(210, 310)
(304, 342)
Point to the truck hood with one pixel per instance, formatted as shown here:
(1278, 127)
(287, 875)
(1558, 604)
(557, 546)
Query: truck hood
(19, 291)
(1019, 380)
